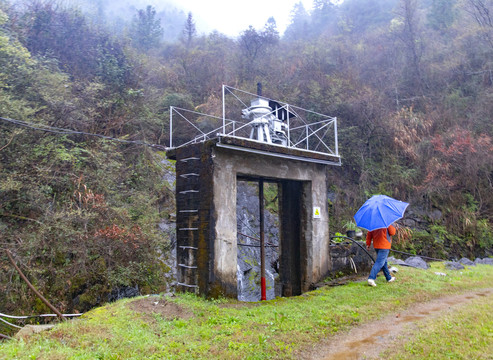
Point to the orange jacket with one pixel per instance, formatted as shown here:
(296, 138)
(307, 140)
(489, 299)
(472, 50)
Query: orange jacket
(379, 237)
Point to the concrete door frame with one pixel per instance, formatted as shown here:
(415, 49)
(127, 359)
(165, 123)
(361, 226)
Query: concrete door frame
(314, 255)
(206, 183)
(293, 225)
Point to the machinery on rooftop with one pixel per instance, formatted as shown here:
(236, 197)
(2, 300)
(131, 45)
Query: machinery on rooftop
(253, 123)
(267, 119)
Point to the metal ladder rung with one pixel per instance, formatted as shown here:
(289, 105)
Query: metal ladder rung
(182, 284)
(188, 191)
(189, 174)
(188, 247)
(188, 229)
(190, 158)
(186, 266)
(188, 211)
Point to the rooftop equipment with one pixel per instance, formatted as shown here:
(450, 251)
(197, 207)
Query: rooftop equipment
(267, 119)
(307, 135)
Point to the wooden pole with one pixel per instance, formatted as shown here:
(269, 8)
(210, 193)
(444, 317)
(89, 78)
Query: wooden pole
(31, 286)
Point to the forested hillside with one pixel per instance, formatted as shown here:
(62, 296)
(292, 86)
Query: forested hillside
(411, 82)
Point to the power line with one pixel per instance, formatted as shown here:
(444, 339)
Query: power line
(57, 130)
(36, 316)
(10, 324)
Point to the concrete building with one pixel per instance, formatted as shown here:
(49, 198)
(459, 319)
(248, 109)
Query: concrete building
(207, 173)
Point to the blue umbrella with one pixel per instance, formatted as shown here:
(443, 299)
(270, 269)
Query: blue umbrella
(379, 212)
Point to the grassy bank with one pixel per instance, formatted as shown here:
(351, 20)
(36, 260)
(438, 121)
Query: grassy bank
(227, 329)
(466, 333)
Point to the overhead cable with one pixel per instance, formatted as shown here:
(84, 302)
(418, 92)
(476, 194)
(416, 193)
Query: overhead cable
(57, 130)
(35, 316)
(10, 324)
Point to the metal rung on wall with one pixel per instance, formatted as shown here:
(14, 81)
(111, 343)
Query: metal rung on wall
(188, 211)
(188, 191)
(188, 228)
(188, 247)
(182, 284)
(190, 158)
(186, 266)
(189, 174)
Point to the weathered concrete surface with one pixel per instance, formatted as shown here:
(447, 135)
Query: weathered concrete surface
(276, 149)
(230, 164)
(207, 239)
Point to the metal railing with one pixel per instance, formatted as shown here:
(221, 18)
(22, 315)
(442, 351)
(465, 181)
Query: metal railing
(306, 130)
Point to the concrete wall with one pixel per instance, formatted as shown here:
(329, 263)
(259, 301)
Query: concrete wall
(193, 219)
(228, 165)
(207, 238)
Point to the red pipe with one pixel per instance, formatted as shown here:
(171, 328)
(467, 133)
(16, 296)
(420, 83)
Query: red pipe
(262, 288)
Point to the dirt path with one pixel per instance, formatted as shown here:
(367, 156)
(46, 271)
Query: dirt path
(369, 340)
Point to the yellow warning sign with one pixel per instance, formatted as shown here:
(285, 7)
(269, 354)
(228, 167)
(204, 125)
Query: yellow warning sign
(316, 212)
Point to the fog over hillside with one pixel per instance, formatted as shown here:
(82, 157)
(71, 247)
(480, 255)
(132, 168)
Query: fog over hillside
(229, 18)
(232, 18)
(118, 15)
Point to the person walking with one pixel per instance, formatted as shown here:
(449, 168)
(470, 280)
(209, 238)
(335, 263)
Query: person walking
(382, 242)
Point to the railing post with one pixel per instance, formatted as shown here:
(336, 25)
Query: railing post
(224, 110)
(307, 137)
(171, 126)
(335, 137)
(289, 133)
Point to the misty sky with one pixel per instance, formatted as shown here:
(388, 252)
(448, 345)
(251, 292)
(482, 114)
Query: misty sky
(231, 17)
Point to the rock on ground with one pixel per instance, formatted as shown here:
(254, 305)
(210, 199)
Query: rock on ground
(454, 265)
(467, 262)
(29, 330)
(485, 261)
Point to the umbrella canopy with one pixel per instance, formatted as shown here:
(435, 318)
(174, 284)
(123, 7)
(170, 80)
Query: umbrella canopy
(379, 212)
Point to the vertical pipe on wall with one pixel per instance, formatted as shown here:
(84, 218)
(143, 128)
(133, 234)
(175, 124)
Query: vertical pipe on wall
(262, 242)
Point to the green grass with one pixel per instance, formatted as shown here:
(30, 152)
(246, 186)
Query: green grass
(227, 329)
(465, 334)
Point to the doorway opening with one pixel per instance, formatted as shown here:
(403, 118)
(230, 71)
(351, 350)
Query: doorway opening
(279, 218)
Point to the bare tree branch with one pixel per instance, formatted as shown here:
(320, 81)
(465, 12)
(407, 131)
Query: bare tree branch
(31, 286)
(8, 143)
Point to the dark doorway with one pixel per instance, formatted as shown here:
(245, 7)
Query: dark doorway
(248, 229)
(293, 244)
(285, 245)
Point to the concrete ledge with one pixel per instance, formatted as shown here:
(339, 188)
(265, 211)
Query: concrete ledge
(258, 147)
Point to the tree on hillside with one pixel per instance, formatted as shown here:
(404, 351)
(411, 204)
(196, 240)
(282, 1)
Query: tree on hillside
(442, 14)
(324, 17)
(255, 47)
(359, 16)
(406, 28)
(189, 30)
(482, 12)
(270, 34)
(299, 25)
(146, 31)
(64, 33)
(81, 49)
(251, 46)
